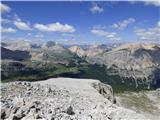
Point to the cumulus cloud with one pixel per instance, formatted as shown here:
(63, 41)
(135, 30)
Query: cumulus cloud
(8, 30)
(150, 34)
(108, 35)
(55, 27)
(96, 9)
(4, 8)
(4, 21)
(123, 24)
(22, 25)
(152, 2)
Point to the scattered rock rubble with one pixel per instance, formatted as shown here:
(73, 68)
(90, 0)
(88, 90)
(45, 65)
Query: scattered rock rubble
(61, 99)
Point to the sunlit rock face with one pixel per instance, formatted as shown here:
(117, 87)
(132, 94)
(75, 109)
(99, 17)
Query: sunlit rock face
(136, 60)
(77, 50)
(89, 52)
(61, 98)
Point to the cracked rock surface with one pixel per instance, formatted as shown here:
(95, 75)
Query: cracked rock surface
(61, 99)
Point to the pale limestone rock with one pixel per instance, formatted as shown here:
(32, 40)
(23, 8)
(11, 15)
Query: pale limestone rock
(62, 99)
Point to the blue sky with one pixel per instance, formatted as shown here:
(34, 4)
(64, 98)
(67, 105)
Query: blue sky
(81, 22)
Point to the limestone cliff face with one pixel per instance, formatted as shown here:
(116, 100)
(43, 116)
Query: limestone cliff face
(134, 56)
(77, 50)
(136, 61)
(61, 98)
(90, 52)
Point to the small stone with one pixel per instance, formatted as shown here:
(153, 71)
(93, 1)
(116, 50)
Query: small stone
(38, 116)
(18, 116)
(28, 89)
(28, 92)
(19, 83)
(70, 111)
(28, 84)
(3, 114)
(49, 111)
(24, 83)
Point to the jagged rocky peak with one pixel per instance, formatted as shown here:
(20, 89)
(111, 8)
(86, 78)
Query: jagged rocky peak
(49, 44)
(78, 50)
(90, 51)
(53, 46)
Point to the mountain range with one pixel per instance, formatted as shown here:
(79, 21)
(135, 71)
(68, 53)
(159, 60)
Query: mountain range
(135, 64)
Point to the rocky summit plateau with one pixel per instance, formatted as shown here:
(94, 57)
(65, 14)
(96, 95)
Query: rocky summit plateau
(62, 99)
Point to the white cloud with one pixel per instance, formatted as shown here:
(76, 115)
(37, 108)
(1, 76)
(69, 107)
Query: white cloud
(150, 34)
(4, 21)
(158, 24)
(96, 9)
(68, 34)
(8, 30)
(39, 36)
(16, 18)
(123, 24)
(4, 8)
(98, 32)
(22, 25)
(152, 2)
(147, 2)
(55, 27)
(108, 35)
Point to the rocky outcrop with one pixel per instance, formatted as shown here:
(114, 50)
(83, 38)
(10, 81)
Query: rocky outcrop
(90, 52)
(61, 98)
(105, 90)
(78, 50)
